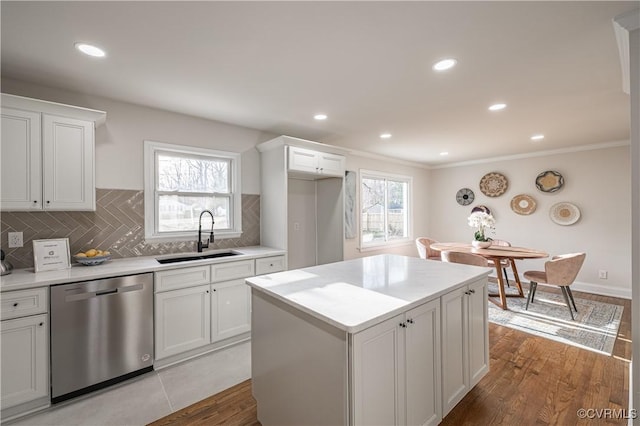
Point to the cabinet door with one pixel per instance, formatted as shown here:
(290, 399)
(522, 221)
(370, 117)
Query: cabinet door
(455, 340)
(331, 164)
(378, 379)
(182, 320)
(478, 332)
(423, 365)
(25, 360)
(21, 170)
(68, 163)
(230, 309)
(303, 160)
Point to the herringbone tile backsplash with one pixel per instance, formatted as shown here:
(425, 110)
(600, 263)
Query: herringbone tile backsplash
(117, 225)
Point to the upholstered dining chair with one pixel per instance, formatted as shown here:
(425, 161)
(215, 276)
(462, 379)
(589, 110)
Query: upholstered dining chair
(561, 270)
(504, 263)
(424, 248)
(466, 258)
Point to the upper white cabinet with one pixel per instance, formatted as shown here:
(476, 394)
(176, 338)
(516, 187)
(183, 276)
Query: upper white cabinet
(47, 155)
(316, 162)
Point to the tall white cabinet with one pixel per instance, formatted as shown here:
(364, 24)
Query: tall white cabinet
(47, 155)
(302, 200)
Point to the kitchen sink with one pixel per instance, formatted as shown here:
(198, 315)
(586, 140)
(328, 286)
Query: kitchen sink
(196, 257)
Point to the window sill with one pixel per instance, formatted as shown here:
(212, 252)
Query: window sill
(382, 246)
(190, 237)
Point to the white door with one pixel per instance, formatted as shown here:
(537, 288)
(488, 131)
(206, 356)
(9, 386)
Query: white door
(21, 160)
(182, 320)
(423, 365)
(378, 374)
(478, 335)
(25, 360)
(68, 163)
(455, 366)
(230, 309)
(331, 164)
(303, 160)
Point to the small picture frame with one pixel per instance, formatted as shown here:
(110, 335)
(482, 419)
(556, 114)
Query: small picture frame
(51, 255)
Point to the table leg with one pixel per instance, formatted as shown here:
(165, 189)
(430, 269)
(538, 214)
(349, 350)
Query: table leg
(515, 274)
(503, 297)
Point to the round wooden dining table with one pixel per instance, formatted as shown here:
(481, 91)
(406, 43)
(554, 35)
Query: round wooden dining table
(496, 254)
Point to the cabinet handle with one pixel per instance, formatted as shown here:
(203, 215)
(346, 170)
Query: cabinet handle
(213, 290)
(410, 321)
(35, 201)
(271, 264)
(48, 202)
(41, 324)
(15, 305)
(472, 291)
(207, 291)
(467, 293)
(403, 325)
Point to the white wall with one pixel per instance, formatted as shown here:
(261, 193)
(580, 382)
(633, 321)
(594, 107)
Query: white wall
(119, 143)
(597, 181)
(418, 208)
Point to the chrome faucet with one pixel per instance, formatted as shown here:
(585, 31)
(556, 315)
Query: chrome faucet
(210, 240)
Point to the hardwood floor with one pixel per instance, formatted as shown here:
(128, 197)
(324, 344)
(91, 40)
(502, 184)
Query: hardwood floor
(532, 381)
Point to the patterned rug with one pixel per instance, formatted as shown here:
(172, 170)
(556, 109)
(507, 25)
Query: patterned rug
(595, 327)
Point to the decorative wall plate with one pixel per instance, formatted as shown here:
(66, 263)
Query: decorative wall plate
(465, 196)
(523, 204)
(493, 184)
(564, 213)
(481, 208)
(549, 181)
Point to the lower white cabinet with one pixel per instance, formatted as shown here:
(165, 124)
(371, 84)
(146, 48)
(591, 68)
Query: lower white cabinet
(230, 309)
(182, 320)
(396, 370)
(465, 342)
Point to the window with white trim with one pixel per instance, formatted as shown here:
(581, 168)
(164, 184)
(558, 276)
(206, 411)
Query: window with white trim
(181, 182)
(385, 201)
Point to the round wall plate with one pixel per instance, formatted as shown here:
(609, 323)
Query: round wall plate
(523, 204)
(564, 213)
(549, 181)
(465, 196)
(493, 184)
(481, 208)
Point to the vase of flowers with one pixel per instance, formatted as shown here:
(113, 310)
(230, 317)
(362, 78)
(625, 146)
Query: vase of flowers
(482, 222)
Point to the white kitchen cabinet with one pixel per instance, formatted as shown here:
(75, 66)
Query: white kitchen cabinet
(315, 162)
(230, 309)
(396, 367)
(182, 320)
(465, 342)
(47, 155)
(25, 360)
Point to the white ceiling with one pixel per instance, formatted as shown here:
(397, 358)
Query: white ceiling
(273, 65)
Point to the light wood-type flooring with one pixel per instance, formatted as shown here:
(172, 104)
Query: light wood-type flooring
(532, 381)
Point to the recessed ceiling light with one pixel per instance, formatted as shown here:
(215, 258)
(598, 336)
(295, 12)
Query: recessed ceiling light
(444, 153)
(385, 135)
(444, 64)
(91, 50)
(320, 116)
(537, 137)
(497, 107)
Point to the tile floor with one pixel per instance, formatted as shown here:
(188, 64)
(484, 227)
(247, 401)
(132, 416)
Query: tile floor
(152, 395)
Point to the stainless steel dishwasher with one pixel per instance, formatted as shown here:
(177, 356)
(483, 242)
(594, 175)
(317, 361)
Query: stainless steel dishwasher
(101, 333)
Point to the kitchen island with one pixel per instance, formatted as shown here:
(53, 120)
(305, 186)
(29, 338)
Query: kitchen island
(379, 340)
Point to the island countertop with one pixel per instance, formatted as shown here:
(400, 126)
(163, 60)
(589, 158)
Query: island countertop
(355, 294)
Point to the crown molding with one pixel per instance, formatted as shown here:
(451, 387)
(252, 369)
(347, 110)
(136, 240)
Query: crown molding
(622, 26)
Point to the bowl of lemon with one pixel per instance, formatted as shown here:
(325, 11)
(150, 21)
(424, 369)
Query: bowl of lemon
(92, 257)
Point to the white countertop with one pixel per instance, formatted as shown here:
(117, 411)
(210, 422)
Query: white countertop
(356, 294)
(21, 279)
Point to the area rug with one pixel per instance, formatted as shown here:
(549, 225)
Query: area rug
(595, 327)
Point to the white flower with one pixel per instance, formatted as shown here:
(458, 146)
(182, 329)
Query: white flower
(481, 221)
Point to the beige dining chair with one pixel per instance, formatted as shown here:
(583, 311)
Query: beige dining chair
(424, 248)
(504, 263)
(466, 258)
(561, 270)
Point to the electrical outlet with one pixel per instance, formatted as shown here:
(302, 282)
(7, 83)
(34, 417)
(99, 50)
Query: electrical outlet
(296, 226)
(602, 274)
(15, 239)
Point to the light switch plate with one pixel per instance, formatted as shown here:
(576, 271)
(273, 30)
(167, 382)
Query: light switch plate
(15, 239)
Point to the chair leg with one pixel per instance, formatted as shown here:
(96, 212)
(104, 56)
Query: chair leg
(532, 290)
(535, 288)
(566, 299)
(506, 277)
(572, 300)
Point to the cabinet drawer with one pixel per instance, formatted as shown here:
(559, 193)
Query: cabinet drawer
(232, 270)
(182, 278)
(24, 302)
(267, 265)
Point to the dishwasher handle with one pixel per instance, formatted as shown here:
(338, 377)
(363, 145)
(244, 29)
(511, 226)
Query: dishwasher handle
(92, 294)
